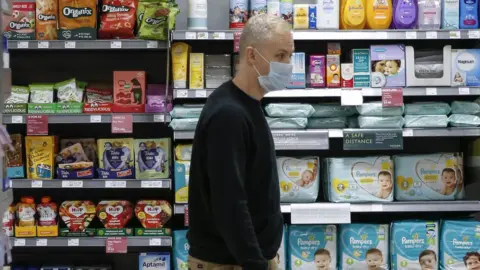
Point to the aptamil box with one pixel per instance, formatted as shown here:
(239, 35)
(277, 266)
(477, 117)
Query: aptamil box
(154, 261)
(465, 67)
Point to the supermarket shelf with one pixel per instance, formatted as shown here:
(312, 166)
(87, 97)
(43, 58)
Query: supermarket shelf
(87, 118)
(160, 241)
(86, 44)
(340, 34)
(91, 183)
(427, 206)
(329, 92)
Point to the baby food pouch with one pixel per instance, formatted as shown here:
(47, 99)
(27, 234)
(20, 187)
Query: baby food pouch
(9, 220)
(153, 158)
(47, 212)
(89, 146)
(114, 214)
(77, 215)
(72, 154)
(22, 22)
(26, 211)
(46, 22)
(14, 159)
(41, 93)
(115, 154)
(19, 94)
(153, 214)
(40, 156)
(77, 19)
(117, 19)
(68, 91)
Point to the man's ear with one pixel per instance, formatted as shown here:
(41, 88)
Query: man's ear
(250, 55)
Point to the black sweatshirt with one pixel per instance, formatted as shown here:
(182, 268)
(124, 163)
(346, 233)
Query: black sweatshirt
(234, 196)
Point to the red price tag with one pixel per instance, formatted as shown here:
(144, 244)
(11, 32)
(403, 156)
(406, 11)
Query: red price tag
(236, 41)
(122, 123)
(392, 97)
(37, 125)
(116, 245)
(185, 216)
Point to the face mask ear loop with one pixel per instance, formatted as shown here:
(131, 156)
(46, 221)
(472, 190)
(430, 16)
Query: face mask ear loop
(262, 56)
(257, 70)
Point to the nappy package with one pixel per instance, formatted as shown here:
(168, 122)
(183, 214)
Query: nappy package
(281, 258)
(183, 155)
(286, 123)
(428, 177)
(427, 108)
(465, 107)
(363, 246)
(333, 110)
(186, 111)
(289, 110)
(180, 250)
(426, 121)
(376, 109)
(414, 245)
(312, 247)
(299, 179)
(186, 124)
(380, 121)
(460, 245)
(327, 122)
(464, 120)
(359, 179)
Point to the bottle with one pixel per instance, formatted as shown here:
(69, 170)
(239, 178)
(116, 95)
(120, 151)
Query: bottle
(352, 14)
(405, 14)
(468, 14)
(379, 14)
(197, 15)
(429, 14)
(450, 14)
(328, 16)
(273, 7)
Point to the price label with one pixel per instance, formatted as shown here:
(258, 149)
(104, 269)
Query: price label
(122, 123)
(42, 242)
(431, 91)
(19, 242)
(407, 132)
(72, 184)
(182, 93)
(185, 216)
(115, 184)
(152, 44)
(202, 35)
(43, 44)
(455, 34)
(151, 184)
(155, 242)
(474, 34)
(95, 118)
(158, 118)
(351, 97)
(464, 91)
(236, 41)
(190, 35)
(411, 35)
(17, 119)
(115, 44)
(37, 125)
(201, 93)
(37, 184)
(377, 208)
(73, 242)
(22, 44)
(70, 44)
(219, 35)
(431, 35)
(392, 97)
(320, 213)
(382, 35)
(116, 245)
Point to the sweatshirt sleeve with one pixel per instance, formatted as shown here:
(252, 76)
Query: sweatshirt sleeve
(226, 168)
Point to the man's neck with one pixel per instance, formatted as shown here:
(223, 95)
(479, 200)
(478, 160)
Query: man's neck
(251, 88)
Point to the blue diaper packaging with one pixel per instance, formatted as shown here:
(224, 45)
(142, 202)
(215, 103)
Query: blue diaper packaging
(281, 258)
(312, 247)
(460, 245)
(182, 176)
(465, 67)
(180, 250)
(299, 179)
(362, 179)
(436, 176)
(298, 80)
(363, 246)
(414, 245)
(154, 261)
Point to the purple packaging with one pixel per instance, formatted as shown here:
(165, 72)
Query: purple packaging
(156, 101)
(405, 14)
(387, 65)
(317, 71)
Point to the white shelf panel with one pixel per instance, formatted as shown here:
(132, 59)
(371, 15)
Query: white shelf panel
(87, 118)
(91, 183)
(86, 44)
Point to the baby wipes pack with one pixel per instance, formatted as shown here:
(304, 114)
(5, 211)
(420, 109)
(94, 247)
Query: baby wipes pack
(363, 246)
(465, 71)
(312, 247)
(180, 250)
(289, 110)
(367, 179)
(460, 245)
(299, 179)
(414, 245)
(427, 177)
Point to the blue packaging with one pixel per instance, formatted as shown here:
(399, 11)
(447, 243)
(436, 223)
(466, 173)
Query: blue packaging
(312, 17)
(414, 245)
(298, 73)
(182, 175)
(154, 261)
(312, 247)
(465, 67)
(460, 245)
(180, 250)
(361, 67)
(363, 246)
(450, 14)
(468, 14)
(281, 258)
(428, 177)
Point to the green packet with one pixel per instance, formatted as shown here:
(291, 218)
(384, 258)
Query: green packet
(41, 93)
(19, 94)
(156, 21)
(70, 91)
(141, 11)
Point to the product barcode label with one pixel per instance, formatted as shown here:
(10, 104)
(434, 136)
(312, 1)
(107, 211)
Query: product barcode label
(70, 44)
(201, 93)
(219, 35)
(22, 44)
(182, 93)
(474, 34)
(464, 91)
(411, 35)
(151, 184)
(72, 184)
(41, 242)
(116, 45)
(431, 91)
(152, 44)
(431, 35)
(115, 184)
(155, 242)
(190, 35)
(202, 35)
(37, 183)
(158, 118)
(19, 242)
(17, 119)
(43, 44)
(95, 118)
(73, 242)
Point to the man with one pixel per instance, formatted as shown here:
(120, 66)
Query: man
(235, 220)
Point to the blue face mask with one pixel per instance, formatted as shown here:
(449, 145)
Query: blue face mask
(278, 78)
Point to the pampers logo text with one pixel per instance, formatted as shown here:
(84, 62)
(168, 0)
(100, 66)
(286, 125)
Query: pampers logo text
(423, 171)
(354, 241)
(462, 244)
(365, 174)
(310, 242)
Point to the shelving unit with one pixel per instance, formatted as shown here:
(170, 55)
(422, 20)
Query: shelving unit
(87, 118)
(93, 183)
(87, 45)
(88, 242)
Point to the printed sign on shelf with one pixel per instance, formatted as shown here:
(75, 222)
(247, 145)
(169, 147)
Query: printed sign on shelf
(116, 245)
(236, 41)
(372, 139)
(122, 123)
(185, 214)
(37, 125)
(392, 97)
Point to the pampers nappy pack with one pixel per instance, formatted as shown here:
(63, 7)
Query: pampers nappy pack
(312, 247)
(363, 246)
(427, 177)
(180, 250)
(414, 245)
(465, 67)
(281, 258)
(299, 179)
(362, 179)
(460, 245)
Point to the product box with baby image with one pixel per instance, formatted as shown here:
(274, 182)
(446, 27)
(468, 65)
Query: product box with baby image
(183, 155)
(388, 65)
(428, 177)
(466, 67)
(299, 179)
(460, 245)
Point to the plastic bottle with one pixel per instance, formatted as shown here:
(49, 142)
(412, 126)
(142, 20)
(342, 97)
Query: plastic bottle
(197, 15)
(405, 14)
(429, 14)
(379, 14)
(468, 14)
(352, 14)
